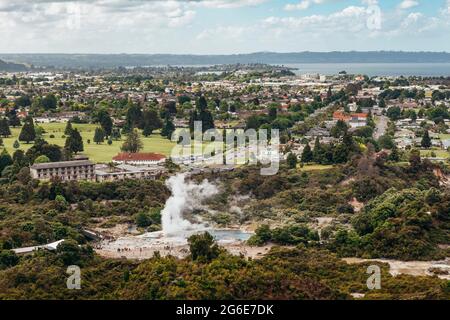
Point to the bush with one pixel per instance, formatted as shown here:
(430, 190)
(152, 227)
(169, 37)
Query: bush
(203, 247)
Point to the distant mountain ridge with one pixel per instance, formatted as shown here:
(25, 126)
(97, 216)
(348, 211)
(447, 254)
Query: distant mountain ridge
(136, 60)
(11, 67)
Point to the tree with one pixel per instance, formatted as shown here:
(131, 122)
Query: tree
(42, 159)
(341, 153)
(49, 102)
(168, 128)
(106, 122)
(339, 129)
(68, 128)
(99, 135)
(150, 121)
(4, 128)
(133, 142)
(16, 144)
(5, 160)
(27, 133)
(74, 142)
(291, 160)
(394, 113)
(134, 116)
(386, 142)
(143, 220)
(202, 104)
(317, 151)
(426, 140)
(415, 162)
(273, 113)
(19, 159)
(394, 156)
(115, 134)
(13, 119)
(8, 258)
(203, 248)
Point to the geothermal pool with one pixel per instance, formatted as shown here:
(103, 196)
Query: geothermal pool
(186, 197)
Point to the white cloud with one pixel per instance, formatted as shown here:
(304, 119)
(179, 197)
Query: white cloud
(411, 19)
(303, 4)
(227, 4)
(407, 4)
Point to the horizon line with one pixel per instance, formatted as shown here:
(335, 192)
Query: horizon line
(224, 54)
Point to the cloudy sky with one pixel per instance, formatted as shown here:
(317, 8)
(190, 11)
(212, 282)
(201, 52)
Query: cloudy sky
(222, 26)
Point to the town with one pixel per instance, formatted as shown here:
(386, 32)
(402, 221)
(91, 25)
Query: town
(44, 113)
(145, 167)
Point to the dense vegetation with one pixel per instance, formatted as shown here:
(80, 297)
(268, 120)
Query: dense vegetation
(298, 273)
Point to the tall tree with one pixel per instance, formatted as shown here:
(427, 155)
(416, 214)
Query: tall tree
(291, 160)
(168, 128)
(4, 128)
(105, 122)
(339, 129)
(426, 140)
(49, 102)
(5, 160)
(317, 151)
(202, 103)
(115, 134)
(28, 132)
(99, 135)
(68, 128)
(273, 112)
(133, 142)
(134, 116)
(150, 122)
(307, 154)
(13, 119)
(74, 142)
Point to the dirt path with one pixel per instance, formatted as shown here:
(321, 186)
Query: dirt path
(180, 251)
(414, 268)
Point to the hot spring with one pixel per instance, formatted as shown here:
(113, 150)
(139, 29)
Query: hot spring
(186, 197)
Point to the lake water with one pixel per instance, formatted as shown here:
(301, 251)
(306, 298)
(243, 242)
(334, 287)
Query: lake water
(375, 69)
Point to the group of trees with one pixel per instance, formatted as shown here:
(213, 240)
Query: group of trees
(148, 120)
(202, 114)
(330, 153)
(398, 224)
(289, 235)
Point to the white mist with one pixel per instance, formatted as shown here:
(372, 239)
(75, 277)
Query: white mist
(186, 196)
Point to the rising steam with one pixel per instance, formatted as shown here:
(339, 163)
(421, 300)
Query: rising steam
(186, 196)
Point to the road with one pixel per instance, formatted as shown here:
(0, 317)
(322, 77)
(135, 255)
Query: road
(381, 127)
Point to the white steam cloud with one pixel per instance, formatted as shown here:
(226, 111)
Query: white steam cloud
(186, 196)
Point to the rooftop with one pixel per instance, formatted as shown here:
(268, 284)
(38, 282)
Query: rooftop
(139, 157)
(62, 164)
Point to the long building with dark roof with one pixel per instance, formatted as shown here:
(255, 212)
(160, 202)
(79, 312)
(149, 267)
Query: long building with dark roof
(64, 170)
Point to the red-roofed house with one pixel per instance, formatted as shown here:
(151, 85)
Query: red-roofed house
(139, 158)
(355, 120)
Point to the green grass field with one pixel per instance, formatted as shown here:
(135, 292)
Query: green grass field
(315, 167)
(439, 153)
(98, 153)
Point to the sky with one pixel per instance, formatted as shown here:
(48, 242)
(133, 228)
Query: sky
(222, 26)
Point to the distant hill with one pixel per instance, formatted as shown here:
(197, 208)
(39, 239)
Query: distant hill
(127, 60)
(11, 67)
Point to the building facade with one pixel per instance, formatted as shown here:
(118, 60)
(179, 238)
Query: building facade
(139, 159)
(65, 170)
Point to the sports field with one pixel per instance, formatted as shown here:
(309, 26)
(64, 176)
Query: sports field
(96, 152)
